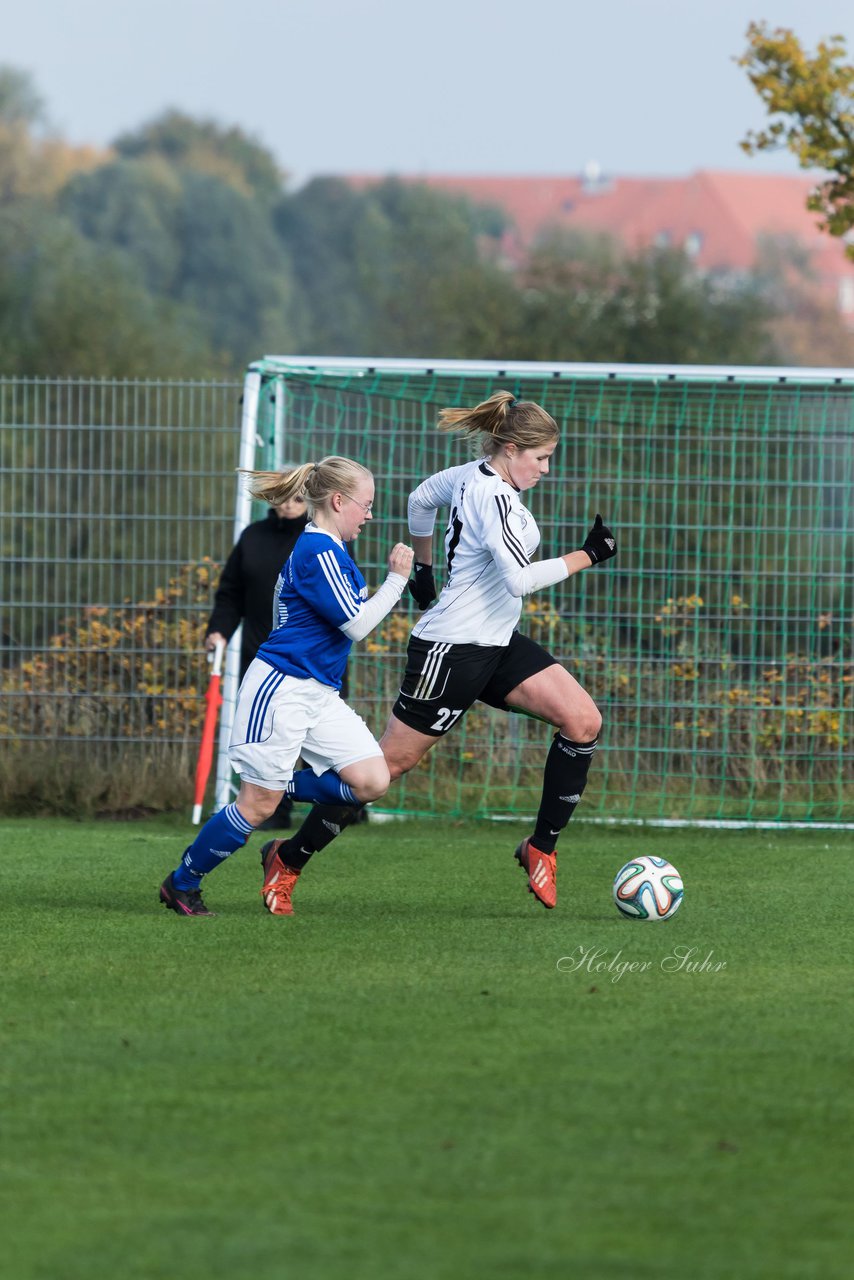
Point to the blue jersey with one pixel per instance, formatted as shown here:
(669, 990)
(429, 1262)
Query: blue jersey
(319, 589)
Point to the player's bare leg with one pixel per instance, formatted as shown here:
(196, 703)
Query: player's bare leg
(403, 747)
(556, 696)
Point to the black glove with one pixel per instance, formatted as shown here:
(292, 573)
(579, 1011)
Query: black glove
(600, 543)
(421, 585)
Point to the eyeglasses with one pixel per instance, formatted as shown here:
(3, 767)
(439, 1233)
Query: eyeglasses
(367, 507)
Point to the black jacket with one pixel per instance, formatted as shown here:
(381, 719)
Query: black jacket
(245, 591)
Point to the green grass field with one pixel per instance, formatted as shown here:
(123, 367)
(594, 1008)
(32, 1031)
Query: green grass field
(424, 1075)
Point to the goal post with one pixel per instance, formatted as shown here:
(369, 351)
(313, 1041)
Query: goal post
(718, 644)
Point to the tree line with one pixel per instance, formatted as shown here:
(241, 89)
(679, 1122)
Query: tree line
(181, 251)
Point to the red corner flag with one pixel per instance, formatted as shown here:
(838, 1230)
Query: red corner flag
(213, 698)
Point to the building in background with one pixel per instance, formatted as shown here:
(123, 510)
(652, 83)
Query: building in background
(720, 219)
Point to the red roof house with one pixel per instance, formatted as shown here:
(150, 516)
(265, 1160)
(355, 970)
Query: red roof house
(718, 218)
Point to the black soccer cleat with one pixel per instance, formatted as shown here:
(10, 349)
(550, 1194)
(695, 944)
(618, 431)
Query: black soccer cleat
(184, 902)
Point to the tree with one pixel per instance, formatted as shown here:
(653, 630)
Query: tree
(319, 228)
(233, 270)
(421, 265)
(585, 299)
(811, 101)
(806, 328)
(20, 101)
(396, 269)
(71, 307)
(32, 162)
(194, 240)
(134, 206)
(20, 110)
(207, 147)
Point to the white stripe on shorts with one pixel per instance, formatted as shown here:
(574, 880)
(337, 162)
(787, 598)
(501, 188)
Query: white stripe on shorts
(261, 703)
(430, 671)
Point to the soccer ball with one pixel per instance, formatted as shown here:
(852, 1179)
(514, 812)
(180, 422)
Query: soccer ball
(648, 889)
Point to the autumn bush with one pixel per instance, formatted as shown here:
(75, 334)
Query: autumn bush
(684, 720)
(107, 717)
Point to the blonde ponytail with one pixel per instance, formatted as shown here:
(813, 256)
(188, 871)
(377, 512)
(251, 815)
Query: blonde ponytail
(314, 481)
(500, 420)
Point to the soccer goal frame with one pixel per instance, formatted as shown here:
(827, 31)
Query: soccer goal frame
(718, 644)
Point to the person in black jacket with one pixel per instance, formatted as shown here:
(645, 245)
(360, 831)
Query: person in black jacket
(245, 593)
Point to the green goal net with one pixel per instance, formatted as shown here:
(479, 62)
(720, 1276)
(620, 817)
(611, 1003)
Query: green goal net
(718, 644)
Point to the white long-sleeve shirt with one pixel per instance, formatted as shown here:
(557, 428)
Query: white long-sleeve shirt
(489, 542)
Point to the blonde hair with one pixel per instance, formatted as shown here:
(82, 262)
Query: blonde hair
(314, 481)
(500, 420)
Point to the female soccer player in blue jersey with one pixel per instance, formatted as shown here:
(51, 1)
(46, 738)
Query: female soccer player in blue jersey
(288, 704)
(466, 647)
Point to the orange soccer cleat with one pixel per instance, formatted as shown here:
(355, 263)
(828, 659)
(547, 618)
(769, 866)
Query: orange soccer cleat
(541, 870)
(279, 880)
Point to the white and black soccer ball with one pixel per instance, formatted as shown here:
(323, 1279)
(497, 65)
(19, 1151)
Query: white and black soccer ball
(648, 889)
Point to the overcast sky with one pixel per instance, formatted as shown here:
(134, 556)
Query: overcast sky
(442, 86)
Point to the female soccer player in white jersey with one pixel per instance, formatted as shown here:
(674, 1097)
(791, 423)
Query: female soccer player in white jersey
(466, 647)
(289, 704)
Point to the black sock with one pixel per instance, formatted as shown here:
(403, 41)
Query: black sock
(323, 824)
(564, 780)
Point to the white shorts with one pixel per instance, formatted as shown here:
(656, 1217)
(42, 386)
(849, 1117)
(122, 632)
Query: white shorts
(280, 718)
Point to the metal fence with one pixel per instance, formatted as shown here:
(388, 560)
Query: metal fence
(720, 647)
(718, 644)
(116, 506)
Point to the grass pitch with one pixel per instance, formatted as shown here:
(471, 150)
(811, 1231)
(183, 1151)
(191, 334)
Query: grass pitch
(423, 1074)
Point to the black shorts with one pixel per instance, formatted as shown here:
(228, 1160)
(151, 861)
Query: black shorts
(443, 680)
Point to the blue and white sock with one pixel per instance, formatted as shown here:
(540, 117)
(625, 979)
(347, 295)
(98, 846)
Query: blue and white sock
(223, 834)
(326, 789)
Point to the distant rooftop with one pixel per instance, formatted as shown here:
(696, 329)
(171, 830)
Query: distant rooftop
(717, 217)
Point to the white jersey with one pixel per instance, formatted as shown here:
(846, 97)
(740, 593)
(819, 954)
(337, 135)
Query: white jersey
(489, 542)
